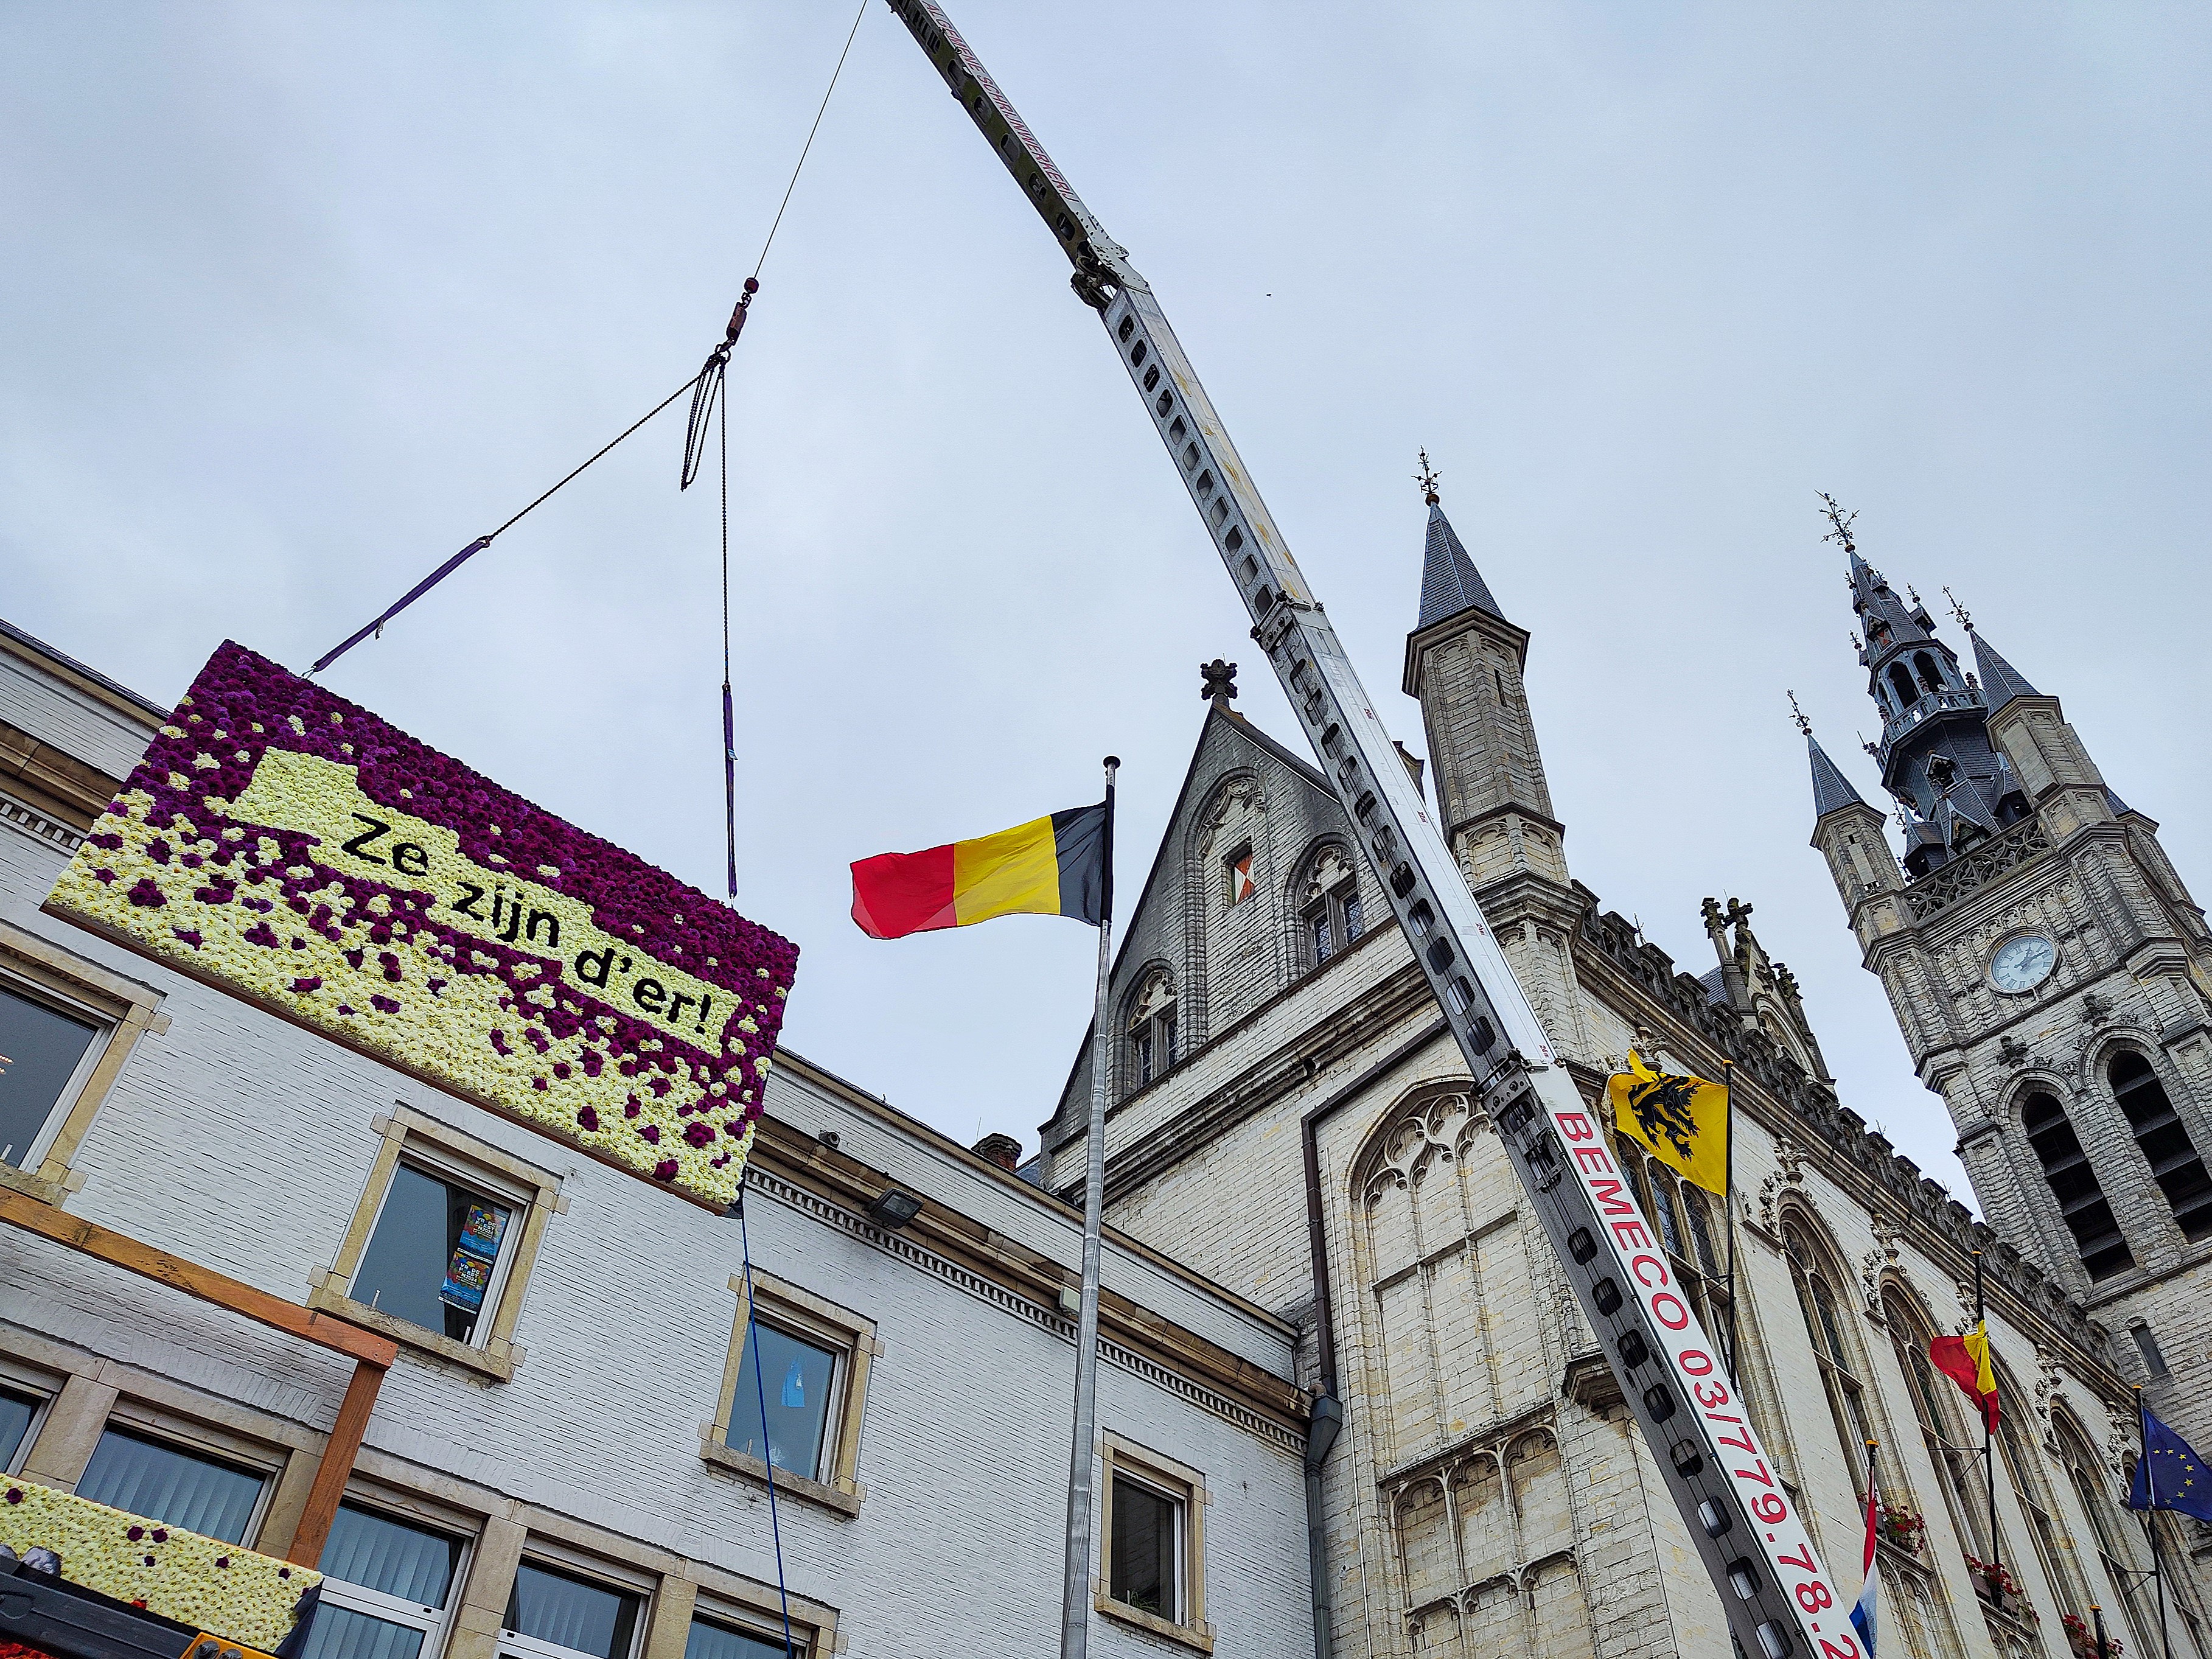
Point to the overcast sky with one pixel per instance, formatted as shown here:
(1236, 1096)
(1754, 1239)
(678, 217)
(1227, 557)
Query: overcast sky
(295, 300)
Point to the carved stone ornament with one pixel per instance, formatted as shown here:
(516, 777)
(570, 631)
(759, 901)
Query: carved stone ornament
(1791, 1174)
(1877, 1261)
(1242, 798)
(2119, 1438)
(2011, 1050)
(2094, 1008)
(2046, 1396)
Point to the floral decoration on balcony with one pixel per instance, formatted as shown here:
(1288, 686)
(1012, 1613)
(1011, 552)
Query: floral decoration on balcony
(2082, 1637)
(203, 1582)
(1903, 1526)
(1994, 1581)
(291, 848)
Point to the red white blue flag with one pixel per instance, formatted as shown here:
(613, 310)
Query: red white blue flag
(1863, 1613)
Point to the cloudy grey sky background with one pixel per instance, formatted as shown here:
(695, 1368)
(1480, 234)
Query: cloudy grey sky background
(295, 300)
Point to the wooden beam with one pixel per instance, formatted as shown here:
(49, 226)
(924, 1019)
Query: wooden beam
(120, 1250)
(337, 1467)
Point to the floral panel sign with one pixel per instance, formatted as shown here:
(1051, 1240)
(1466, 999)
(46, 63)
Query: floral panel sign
(290, 847)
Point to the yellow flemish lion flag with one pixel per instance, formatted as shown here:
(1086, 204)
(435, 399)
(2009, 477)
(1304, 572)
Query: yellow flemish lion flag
(1682, 1120)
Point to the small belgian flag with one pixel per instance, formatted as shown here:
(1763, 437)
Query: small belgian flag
(1054, 865)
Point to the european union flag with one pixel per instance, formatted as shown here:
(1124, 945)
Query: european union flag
(2170, 1476)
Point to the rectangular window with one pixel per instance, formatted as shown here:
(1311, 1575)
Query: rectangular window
(435, 1252)
(44, 1055)
(798, 1389)
(385, 1588)
(1324, 944)
(1147, 1524)
(1144, 1056)
(17, 1410)
(1353, 926)
(1241, 884)
(562, 1615)
(440, 1249)
(168, 1483)
(711, 1639)
(793, 1391)
(1152, 1565)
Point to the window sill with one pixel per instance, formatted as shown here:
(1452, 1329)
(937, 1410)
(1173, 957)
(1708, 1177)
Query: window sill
(30, 1185)
(845, 1502)
(1197, 1637)
(497, 1360)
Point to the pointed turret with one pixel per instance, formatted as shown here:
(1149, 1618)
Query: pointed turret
(1831, 788)
(2001, 681)
(1450, 581)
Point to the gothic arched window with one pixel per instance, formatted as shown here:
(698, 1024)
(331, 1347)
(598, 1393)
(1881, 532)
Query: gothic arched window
(1900, 682)
(1152, 1031)
(2029, 1487)
(1943, 1430)
(1824, 1322)
(2092, 1486)
(2166, 1147)
(2074, 1183)
(1330, 915)
(1931, 677)
(1686, 1228)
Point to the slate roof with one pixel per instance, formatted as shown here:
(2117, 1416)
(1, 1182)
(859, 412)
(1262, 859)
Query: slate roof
(1831, 788)
(2001, 681)
(1715, 985)
(1450, 581)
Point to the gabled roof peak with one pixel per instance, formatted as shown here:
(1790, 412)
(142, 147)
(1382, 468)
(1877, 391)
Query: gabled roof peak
(2001, 681)
(1831, 788)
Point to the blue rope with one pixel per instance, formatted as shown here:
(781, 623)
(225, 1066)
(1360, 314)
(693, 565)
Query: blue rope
(760, 1388)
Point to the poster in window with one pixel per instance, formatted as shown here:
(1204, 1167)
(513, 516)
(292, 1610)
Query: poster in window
(474, 1252)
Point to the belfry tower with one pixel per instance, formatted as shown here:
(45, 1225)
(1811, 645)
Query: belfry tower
(2051, 974)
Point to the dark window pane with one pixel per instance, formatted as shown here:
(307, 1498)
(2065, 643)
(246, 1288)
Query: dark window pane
(15, 1414)
(1353, 924)
(431, 1257)
(571, 1613)
(166, 1483)
(799, 1376)
(720, 1642)
(406, 1562)
(1321, 944)
(1144, 1548)
(341, 1633)
(39, 1048)
(1144, 1056)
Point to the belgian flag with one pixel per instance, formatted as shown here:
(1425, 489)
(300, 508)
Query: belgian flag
(1054, 865)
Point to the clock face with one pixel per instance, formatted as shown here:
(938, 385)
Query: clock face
(2023, 963)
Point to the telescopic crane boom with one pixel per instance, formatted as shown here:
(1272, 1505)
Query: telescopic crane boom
(1778, 1598)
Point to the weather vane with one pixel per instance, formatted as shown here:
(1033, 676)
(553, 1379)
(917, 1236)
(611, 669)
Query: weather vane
(1959, 612)
(1798, 715)
(1841, 520)
(1427, 478)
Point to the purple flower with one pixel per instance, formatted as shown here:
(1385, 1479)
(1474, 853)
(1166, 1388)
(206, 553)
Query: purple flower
(105, 876)
(145, 893)
(14, 1494)
(499, 1043)
(134, 1534)
(160, 1534)
(190, 935)
(650, 1132)
(306, 985)
(158, 850)
(222, 1560)
(664, 1170)
(389, 1005)
(589, 1118)
(698, 1134)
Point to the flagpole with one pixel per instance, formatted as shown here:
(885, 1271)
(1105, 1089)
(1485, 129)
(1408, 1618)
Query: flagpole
(2150, 1524)
(2097, 1617)
(1989, 1455)
(1728, 1204)
(1075, 1595)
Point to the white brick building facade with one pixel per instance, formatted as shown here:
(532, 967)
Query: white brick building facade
(588, 1435)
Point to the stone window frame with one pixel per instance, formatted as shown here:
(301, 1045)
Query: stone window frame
(412, 1136)
(126, 1009)
(852, 1336)
(411, 1507)
(608, 1572)
(1243, 852)
(21, 1381)
(272, 1460)
(1119, 1456)
(1334, 904)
